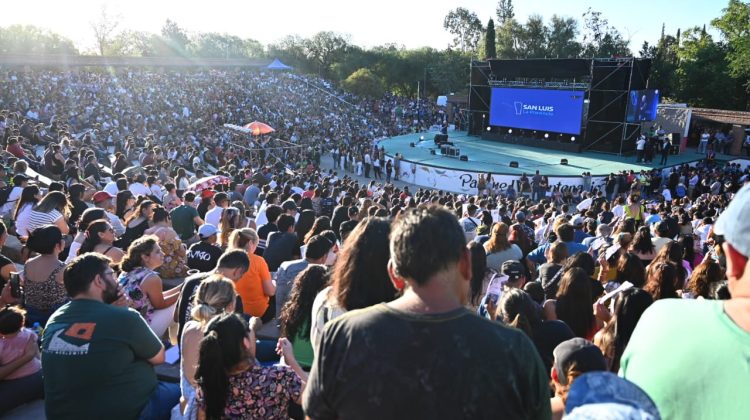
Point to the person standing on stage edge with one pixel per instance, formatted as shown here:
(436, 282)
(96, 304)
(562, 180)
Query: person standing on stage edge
(666, 146)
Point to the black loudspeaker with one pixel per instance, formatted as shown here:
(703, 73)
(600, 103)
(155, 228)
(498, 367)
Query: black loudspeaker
(513, 164)
(464, 158)
(432, 151)
(441, 138)
(563, 161)
(411, 144)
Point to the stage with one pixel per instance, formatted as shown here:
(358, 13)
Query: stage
(421, 167)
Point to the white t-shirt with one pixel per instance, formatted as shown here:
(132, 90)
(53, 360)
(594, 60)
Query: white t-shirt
(213, 216)
(22, 221)
(111, 188)
(139, 189)
(10, 205)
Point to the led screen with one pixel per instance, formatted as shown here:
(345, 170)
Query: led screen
(557, 111)
(642, 105)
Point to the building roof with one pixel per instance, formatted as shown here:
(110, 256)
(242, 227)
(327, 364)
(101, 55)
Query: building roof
(723, 116)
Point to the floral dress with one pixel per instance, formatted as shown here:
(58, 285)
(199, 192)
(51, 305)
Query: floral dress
(131, 286)
(260, 393)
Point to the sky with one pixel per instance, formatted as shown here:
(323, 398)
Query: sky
(411, 23)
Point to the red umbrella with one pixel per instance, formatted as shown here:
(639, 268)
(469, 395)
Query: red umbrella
(257, 128)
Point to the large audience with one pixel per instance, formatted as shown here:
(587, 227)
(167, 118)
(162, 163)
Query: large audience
(142, 236)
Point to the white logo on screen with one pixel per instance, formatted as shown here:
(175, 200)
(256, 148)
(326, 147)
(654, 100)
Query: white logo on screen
(522, 108)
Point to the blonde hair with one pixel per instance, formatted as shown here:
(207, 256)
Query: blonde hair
(214, 295)
(241, 237)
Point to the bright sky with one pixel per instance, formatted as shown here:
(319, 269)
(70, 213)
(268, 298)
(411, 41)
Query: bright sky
(412, 23)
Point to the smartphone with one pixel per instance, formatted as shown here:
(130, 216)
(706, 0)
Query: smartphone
(15, 285)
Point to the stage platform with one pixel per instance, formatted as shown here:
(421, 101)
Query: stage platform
(494, 157)
(424, 169)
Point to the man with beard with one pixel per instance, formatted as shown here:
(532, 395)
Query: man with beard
(98, 356)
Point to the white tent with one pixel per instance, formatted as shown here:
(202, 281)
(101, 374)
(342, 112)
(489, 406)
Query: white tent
(278, 65)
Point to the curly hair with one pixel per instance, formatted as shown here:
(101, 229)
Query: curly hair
(295, 315)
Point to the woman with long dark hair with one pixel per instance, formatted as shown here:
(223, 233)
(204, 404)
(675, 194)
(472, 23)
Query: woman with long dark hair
(124, 204)
(100, 237)
(44, 290)
(360, 277)
(478, 284)
(233, 384)
(322, 223)
(517, 309)
(614, 337)
(573, 303)
(137, 223)
(304, 225)
(642, 247)
(295, 316)
(30, 196)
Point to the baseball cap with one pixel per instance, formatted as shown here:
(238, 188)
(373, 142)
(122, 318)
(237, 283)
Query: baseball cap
(207, 230)
(577, 220)
(102, 196)
(597, 395)
(734, 222)
(582, 352)
(513, 269)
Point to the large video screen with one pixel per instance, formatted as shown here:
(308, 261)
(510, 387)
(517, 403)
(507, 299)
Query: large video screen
(557, 111)
(642, 105)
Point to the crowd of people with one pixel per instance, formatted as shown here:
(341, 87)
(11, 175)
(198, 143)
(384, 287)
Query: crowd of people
(281, 290)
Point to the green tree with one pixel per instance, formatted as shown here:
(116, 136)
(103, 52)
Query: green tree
(508, 35)
(663, 65)
(562, 38)
(489, 41)
(533, 38)
(465, 27)
(324, 49)
(175, 39)
(291, 50)
(364, 82)
(133, 44)
(600, 39)
(29, 39)
(703, 75)
(734, 25)
(504, 11)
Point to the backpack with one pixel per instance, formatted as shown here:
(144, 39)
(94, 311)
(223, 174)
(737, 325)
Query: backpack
(5, 194)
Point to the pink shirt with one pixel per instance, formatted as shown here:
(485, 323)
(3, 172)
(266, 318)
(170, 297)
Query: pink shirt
(12, 348)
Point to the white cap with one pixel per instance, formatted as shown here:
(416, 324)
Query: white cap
(734, 222)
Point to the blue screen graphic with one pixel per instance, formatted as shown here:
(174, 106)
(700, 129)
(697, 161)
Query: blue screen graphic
(557, 111)
(642, 105)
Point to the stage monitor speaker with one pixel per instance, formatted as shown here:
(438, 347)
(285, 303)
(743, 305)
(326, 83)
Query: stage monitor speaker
(563, 161)
(432, 151)
(513, 164)
(464, 158)
(411, 144)
(441, 138)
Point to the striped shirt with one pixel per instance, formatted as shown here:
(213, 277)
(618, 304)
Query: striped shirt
(38, 219)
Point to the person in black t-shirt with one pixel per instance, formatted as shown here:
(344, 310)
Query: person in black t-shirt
(232, 265)
(425, 353)
(204, 255)
(272, 214)
(281, 245)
